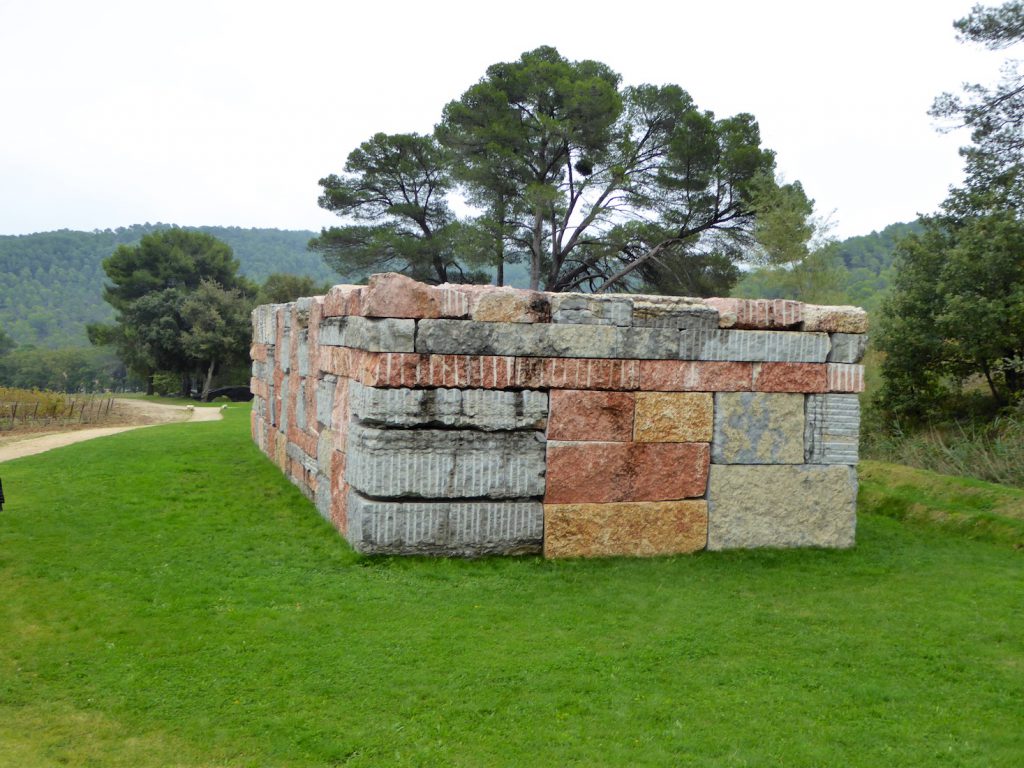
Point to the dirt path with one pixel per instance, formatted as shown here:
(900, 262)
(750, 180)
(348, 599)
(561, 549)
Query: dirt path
(137, 414)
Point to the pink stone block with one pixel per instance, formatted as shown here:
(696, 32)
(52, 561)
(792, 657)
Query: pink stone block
(757, 314)
(393, 295)
(843, 377)
(258, 352)
(342, 300)
(510, 305)
(605, 472)
(590, 415)
(790, 377)
(685, 376)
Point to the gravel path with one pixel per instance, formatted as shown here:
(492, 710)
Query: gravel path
(140, 413)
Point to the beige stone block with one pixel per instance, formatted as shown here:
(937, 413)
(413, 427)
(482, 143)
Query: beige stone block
(843, 319)
(781, 506)
(637, 529)
(673, 417)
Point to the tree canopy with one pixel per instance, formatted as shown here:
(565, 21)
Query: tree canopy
(178, 301)
(590, 184)
(956, 309)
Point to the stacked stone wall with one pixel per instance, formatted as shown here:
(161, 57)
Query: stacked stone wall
(470, 420)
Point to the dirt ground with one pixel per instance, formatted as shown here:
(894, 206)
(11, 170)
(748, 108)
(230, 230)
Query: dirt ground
(126, 414)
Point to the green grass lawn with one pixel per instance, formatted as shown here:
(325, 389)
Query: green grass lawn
(167, 598)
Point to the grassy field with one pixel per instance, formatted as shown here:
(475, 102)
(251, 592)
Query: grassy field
(167, 598)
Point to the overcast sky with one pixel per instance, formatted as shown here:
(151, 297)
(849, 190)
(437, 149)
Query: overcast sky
(228, 113)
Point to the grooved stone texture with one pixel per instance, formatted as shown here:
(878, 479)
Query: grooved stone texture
(469, 420)
(781, 506)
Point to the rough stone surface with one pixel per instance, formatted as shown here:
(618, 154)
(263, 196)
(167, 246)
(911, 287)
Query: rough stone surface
(390, 294)
(793, 506)
(450, 337)
(591, 309)
(589, 415)
(835, 319)
(848, 347)
(754, 346)
(758, 428)
(673, 417)
(685, 376)
(444, 463)
(845, 378)
(637, 529)
(444, 528)
(604, 472)
(482, 409)
(790, 377)
(508, 305)
(369, 334)
(832, 431)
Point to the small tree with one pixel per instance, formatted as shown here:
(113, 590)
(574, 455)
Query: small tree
(218, 330)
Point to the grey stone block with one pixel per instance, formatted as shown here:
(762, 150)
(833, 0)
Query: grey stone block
(325, 451)
(482, 409)
(300, 406)
(847, 347)
(444, 464)
(467, 337)
(591, 309)
(283, 416)
(372, 334)
(466, 529)
(302, 352)
(758, 428)
(308, 462)
(264, 324)
(781, 506)
(284, 353)
(325, 389)
(832, 430)
(301, 309)
(754, 346)
(323, 496)
(260, 371)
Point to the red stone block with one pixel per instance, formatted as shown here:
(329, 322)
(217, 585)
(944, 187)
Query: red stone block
(576, 373)
(590, 415)
(342, 300)
(399, 369)
(685, 376)
(340, 415)
(390, 294)
(258, 352)
(316, 315)
(605, 472)
(790, 377)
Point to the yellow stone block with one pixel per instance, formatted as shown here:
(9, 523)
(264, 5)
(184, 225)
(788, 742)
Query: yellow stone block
(673, 417)
(632, 529)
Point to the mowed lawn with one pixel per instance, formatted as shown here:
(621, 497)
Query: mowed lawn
(167, 598)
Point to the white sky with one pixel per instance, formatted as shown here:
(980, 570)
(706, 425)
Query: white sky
(228, 113)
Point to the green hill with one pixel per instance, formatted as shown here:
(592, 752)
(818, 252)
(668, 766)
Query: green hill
(52, 282)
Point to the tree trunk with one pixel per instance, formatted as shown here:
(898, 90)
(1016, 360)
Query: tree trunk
(186, 385)
(149, 384)
(209, 380)
(538, 229)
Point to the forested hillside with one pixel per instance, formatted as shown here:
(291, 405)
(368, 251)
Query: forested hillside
(52, 282)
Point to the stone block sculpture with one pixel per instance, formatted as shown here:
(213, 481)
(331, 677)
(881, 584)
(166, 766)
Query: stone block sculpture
(470, 420)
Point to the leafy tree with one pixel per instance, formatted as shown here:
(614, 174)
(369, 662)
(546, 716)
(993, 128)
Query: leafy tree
(280, 288)
(151, 285)
(6, 343)
(570, 166)
(398, 182)
(218, 329)
(956, 309)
